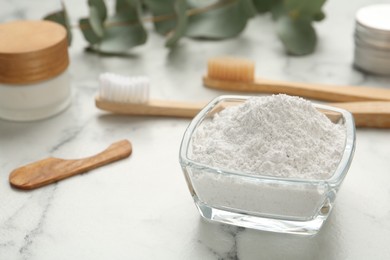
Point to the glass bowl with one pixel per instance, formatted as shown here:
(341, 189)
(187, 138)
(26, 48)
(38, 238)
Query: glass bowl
(263, 202)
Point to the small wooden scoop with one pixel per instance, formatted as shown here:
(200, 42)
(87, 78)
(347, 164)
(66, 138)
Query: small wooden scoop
(49, 170)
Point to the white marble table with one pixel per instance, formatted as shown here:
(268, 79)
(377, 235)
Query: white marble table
(140, 208)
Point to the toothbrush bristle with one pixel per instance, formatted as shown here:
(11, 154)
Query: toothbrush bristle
(229, 68)
(123, 89)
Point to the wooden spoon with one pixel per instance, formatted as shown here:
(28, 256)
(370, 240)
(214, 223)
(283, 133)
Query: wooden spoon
(49, 170)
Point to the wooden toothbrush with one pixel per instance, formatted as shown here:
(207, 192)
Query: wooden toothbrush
(151, 108)
(114, 98)
(374, 114)
(49, 170)
(235, 74)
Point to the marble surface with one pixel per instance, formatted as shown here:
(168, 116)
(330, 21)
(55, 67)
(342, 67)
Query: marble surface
(140, 208)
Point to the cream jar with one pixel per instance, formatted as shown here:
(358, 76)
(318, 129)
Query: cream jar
(34, 82)
(372, 39)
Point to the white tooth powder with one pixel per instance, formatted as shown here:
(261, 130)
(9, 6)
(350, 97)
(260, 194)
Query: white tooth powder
(277, 135)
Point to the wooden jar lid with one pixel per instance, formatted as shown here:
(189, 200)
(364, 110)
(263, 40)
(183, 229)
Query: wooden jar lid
(32, 51)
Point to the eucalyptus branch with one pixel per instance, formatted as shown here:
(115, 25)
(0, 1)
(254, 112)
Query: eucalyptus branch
(175, 19)
(161, 18)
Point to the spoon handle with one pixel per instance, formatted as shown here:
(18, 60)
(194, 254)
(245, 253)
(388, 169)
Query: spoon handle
(49, 170)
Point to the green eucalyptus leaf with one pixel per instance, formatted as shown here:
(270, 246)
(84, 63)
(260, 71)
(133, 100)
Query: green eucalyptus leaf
(181, 24)
(129, 8)
(61, 17)
(248, 8)
(120, 38)
(96, 22)
(303, 8)
(89, 34)
(319, 16)
(124, 30)
(97, 16)
(226, 21)
(162, 9)
(263, 6)
(277, 11)
(298, 36)
(100, 7)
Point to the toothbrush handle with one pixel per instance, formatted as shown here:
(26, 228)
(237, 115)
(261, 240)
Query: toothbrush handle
(314, 91)
(152, 108)
(50, 170)
(368, 114)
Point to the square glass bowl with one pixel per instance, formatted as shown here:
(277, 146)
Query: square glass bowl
(263, 202)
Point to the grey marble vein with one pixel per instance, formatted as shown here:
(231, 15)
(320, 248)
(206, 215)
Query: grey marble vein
(69, 135)
(29, 238)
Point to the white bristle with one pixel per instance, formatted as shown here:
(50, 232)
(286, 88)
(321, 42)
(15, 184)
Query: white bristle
(122, 89)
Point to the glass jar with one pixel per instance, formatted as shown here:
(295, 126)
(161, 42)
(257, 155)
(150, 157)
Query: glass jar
(262, 201)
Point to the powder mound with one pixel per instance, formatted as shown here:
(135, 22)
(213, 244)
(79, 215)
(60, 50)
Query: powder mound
(276, 135)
